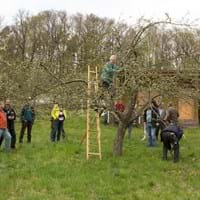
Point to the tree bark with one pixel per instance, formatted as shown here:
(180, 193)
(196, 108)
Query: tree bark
(119, 138)
(124, 120)
(123, 123)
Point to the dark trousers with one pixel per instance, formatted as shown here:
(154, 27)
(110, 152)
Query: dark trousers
(13, 137)
(60, 129)
(63, 133)
(160, 128)
(170, 142)
(157, 132)
(25, 125)
(54, 130)
(109, 87)
(57, 130)
(1, 140)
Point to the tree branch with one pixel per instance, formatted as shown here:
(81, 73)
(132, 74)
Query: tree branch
(60, 80)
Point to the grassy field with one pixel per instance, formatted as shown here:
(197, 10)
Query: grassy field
(45, 171)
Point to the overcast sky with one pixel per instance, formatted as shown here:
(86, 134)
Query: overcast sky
(128, 10)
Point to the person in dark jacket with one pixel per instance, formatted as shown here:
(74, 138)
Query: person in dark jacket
(27, 119)
(171, 135)
(161, 123)
(11, 116)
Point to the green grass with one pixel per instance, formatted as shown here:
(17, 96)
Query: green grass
(45, 171)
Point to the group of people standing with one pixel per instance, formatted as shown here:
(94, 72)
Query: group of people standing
(155, 119)
(27, 117)
(7, 123)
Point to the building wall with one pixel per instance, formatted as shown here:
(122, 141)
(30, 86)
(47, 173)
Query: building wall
(188, 110)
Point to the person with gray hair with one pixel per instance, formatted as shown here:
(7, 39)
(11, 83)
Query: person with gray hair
(108, 73)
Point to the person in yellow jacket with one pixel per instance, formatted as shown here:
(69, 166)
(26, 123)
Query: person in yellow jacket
(55, 111)
(58, 116)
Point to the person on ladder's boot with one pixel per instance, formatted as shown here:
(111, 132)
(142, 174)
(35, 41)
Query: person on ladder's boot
(171, 135)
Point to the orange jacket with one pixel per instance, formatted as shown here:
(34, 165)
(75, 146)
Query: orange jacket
(3, 120)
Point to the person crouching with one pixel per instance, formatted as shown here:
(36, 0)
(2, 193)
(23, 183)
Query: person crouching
(170, 137)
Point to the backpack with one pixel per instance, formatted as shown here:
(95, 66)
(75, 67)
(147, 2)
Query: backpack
(149, 116)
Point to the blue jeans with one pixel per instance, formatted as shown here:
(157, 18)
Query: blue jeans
(151, 133)
(7, 137)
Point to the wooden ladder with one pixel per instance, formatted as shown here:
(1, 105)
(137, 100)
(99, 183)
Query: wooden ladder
(93, 131)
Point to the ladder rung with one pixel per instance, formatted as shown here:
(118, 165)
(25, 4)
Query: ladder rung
(95, 82)
(92, 153)
(93, 72)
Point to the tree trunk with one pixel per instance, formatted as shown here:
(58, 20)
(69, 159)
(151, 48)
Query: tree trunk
(123, 122)
(118, 143)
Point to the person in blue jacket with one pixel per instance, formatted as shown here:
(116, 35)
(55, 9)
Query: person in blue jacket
(27, 119)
